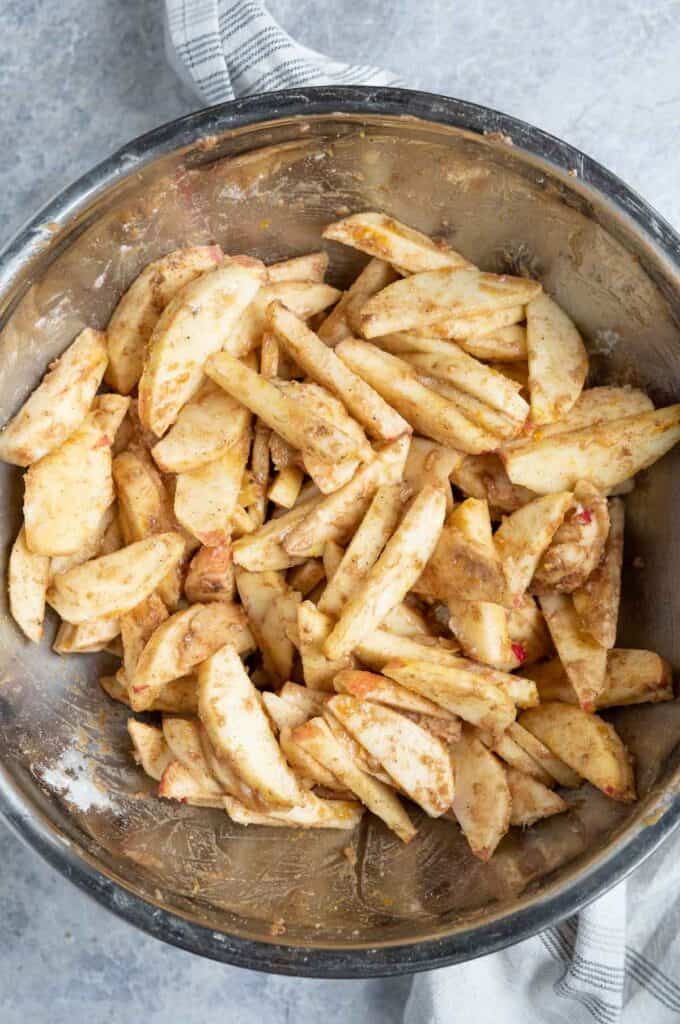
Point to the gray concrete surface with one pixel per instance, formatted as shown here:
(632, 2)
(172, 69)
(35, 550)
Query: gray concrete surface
(80, 77)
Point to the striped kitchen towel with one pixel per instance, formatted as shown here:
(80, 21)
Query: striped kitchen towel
(617, 962)
(224, 49)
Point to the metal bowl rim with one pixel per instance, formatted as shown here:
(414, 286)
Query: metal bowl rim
(276, 957)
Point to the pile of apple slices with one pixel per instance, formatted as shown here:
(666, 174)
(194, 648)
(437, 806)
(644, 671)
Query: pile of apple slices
(356, 549)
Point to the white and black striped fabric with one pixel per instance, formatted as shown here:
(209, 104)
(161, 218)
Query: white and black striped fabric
(618, 962)
(225, 49)
(615, 963)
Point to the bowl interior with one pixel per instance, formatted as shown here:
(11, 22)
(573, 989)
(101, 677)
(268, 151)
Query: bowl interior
(268, 190)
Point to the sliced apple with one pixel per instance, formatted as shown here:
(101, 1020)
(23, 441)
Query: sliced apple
(79, 471)
(558, 362)
(182, 642)
(531, 800)
(113, 584)
(134, 318)
(417, 761)
(238, 728)
(194, 325)
(28, 578)
(425, 298)
(482, 801)
(583, 658)
(525, 535)
(606, 454)
(392, 576)
(590, 746)
(597, 600)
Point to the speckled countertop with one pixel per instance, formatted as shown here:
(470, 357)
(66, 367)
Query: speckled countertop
(80, 77)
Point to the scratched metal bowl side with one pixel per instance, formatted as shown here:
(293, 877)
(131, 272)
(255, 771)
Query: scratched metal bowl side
(263, 176)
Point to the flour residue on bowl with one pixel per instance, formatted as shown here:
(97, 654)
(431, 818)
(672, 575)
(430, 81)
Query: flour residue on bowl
(72, 778)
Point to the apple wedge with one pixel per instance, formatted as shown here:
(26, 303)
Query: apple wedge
(578, 544)
(558, 362)
(149, 748)
(28, 578)
(482, 630)
(392, 576)
(465, 562)
(205, 498)
(528, 632)
(466, 328)
(178, 697)
(425, 298)
(371, 535)
(226, 775)
(590, 746)
(113, 584)
(307, 699)
(417, 761)
(194, 325)
(182, 642)
(134, 318)
(59, 404)
(211, 575)
(381, 646)
(524, 536)
(593, 406)
(597, 600)
(606, 454)
(314, 628)
(311, 771)
(306, 424)
(205, 429)
(306, 577)
(229, 707)
(183, 737)
(504, 344)
(137, 627)
(145, 508)
(270, 606)
(562, 774)
(583, 658)
(79, 469)
(282, 713)
(474, 378)
(390, 240)
(632, 677)
(105, 539)
(86, 637)
(531, 800)
(177, 783)
(462, 692)
(482, 801)
(310, 267)
(310, 812)
(496, 423)
(285, 487)
(515, 756)
(381, 690)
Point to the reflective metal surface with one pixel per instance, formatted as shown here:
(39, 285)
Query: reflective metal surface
(263, 176)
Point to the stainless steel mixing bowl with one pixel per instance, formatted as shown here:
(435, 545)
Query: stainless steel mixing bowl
(263, 176)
